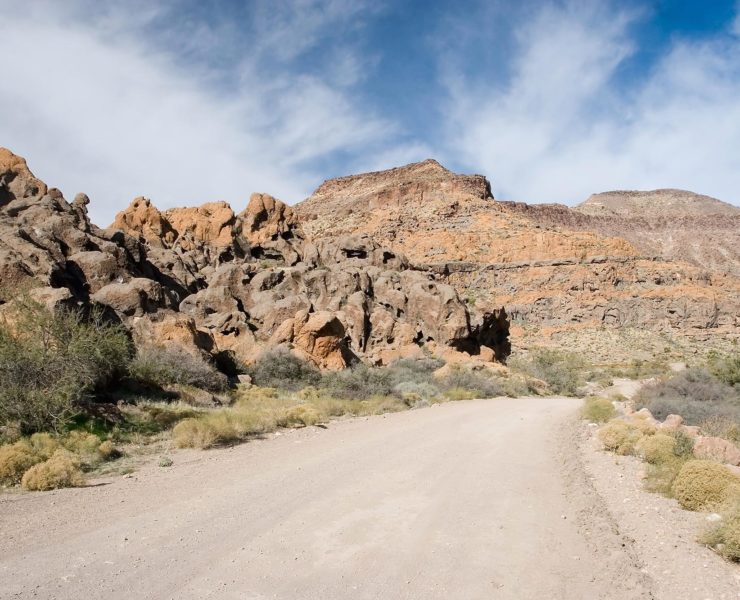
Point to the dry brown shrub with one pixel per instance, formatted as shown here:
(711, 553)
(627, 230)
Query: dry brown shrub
(60, 471)
(620, 437)
(658, 448)
(15, 460)
(724, 536)
(703, 484)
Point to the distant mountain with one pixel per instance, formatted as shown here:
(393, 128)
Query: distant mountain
(664, 203)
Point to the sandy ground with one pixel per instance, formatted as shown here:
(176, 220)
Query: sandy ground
(502, 498)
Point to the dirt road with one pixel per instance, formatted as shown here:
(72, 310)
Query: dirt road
(468, 500)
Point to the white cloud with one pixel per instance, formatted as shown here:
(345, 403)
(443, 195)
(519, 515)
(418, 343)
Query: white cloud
(561, 128)
(96, 106)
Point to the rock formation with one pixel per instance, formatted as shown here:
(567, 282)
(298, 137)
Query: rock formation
(224, 282)
(673, 224)
(559, 272)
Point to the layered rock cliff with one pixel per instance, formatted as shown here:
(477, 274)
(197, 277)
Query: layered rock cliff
(220, 281)
(555, 269)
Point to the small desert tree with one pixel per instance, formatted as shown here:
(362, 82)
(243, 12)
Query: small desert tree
(51, 361)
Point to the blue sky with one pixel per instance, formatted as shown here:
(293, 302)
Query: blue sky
(192, 101)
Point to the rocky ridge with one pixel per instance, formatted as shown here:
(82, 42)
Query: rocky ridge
(674, 224)
(556, 270)
(223, 282)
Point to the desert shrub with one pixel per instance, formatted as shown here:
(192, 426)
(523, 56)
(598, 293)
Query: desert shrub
(360, 382)
(726, 368)
(642, 369)
(721, 426)
(301, 415)
(89, 449)
(598, 410)
(60, 471)
(253, 414)
(415, 369)
(107, 450)
(480, 383)
(724, 536)
(658, 448)
(193, 433)
(50, 362)
(15, 460)
(459, 393)
(146, 418)
(378, 405)
(645, 425)
(660, 476)
(620, 437)
(684, 446)
(695, 394)
(44, 445)
(424, 391)
(281, 369)
(703, 484)
(175, 365)
(562, 371)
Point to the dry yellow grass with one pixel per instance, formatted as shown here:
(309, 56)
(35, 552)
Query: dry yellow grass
(261, 410)
(459, 393)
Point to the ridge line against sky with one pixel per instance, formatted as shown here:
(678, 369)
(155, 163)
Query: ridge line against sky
(187, 102)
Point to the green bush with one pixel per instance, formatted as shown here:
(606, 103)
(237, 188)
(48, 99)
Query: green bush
(695, 394)
(175, 365)
(703, 484)
(562, 371)
(282, 369)
(479, 383)
(598, 410)
(51, 362)
(660, 476)
(726, 368)
(360, 382)
(684, 447)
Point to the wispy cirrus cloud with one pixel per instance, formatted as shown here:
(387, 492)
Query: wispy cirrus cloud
(99, 103)
(565, 124)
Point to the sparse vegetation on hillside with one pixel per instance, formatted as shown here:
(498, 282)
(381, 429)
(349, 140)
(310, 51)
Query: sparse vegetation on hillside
(695, 394)
(672, 470)
(562, 371)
